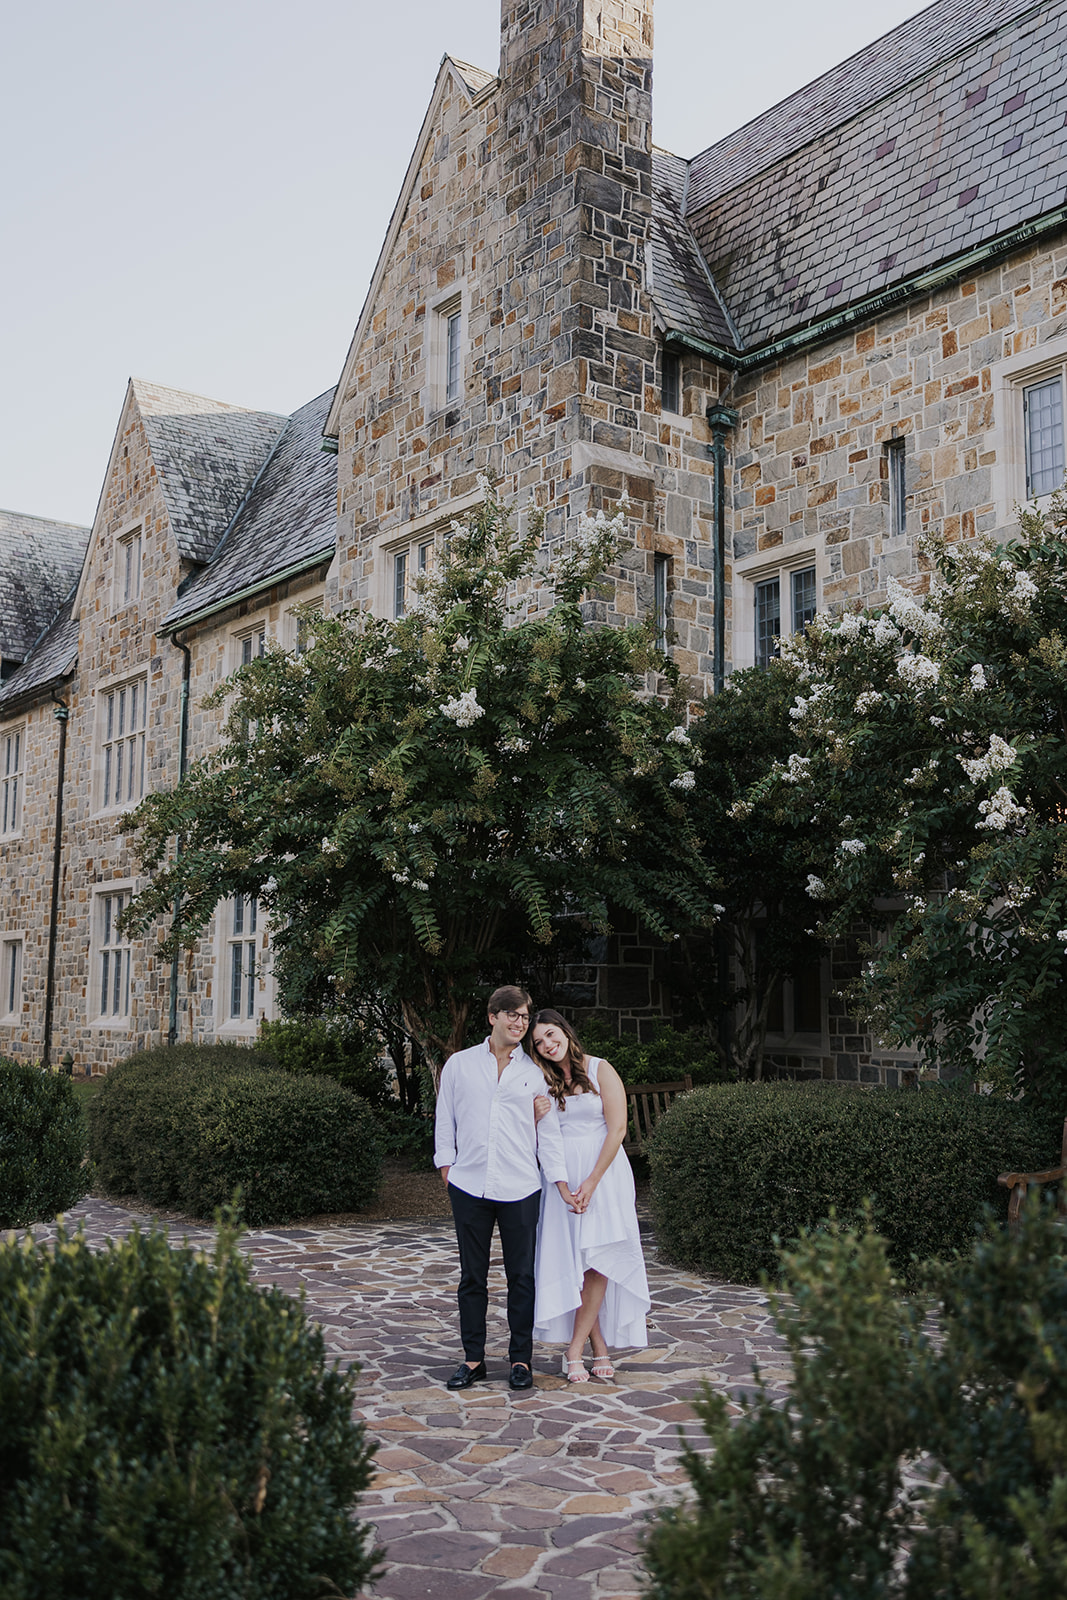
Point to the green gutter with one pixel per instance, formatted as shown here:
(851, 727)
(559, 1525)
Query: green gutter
(212, 610)
(874, 305)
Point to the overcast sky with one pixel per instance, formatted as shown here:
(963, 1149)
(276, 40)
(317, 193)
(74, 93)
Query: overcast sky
(196, 193)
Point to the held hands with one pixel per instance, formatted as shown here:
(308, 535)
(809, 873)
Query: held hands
(584, 1193)
(569, 1200)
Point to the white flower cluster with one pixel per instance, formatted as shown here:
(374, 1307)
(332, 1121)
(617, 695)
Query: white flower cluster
(1023, 590)
(485, 488)
(740, 811)
(461, 644)
(678, 735)
(852, 847)
(978, 678)
(917, 670)
(412, 883)
(1062, 936)
(998, 758)
(816, 887)
(329, 848)
(909, 614)
(1002, 811)
(886, 630)
(797, 769)
(851, 625)
(684, 780)
(867, 701)
(515, 745)
(464, 710)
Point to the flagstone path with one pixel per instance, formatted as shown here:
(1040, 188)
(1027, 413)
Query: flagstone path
(486, 1492)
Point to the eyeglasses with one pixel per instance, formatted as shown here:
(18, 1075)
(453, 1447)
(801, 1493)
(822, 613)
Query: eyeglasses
(517, 1016)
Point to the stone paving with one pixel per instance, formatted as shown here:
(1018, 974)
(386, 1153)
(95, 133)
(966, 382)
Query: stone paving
(487, 1492)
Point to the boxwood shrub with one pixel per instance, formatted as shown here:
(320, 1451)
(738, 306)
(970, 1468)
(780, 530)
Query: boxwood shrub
(335, 1047)
(169, 1430)
(669, 1054)
(734, 1165)
(42, 1146)
(184, 1127)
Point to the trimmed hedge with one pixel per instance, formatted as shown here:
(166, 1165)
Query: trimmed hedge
(170, 1430)
(667, 1056)
(42, 1146)
(734, 1165)
(184, 1127)
(335, 1049)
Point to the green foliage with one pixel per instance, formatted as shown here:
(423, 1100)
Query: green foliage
(184, 1127)
(664, 1058)
(42, 1146)
(337, 1048)
(931, 772)
(735, 1165)
(406, 797)
(808, 1501)
(170, 1430)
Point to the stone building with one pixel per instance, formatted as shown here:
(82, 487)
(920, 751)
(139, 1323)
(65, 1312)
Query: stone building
(835, 329)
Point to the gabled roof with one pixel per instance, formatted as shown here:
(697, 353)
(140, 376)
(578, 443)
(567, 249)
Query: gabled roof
(39, 562)
(681, 286)
(51, 659)
(935, 142)
(206, 455)
(288, 520)
(474, 82)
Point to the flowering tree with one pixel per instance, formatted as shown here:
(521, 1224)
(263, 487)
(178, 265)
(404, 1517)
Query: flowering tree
(931, 771)
(413, 800)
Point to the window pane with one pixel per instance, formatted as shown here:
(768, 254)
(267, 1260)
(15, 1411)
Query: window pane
(400, 583)
(452, 363)
(671, 398)
(104, 960)
(768, 620)
(807, 998)
(1043, 416)
(250, 969)
(803, 598)
(659, 598)
(236, 963)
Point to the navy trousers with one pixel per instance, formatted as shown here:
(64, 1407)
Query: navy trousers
(475, 1219)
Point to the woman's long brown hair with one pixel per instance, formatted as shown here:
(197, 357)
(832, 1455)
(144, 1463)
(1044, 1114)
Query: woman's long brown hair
(553, 1070)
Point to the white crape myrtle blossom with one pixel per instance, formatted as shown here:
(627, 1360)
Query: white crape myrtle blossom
(910, 613)
(1023, 591)
(329, 848)
(1062, 935)
(998, 758)
(886, 630)
(797, 769)
(851, 625)
(740, 811)
(867, 701)
(515, 745)
(684, 780)
(816, 888)
(852, 847)
(461, 644)
(918, 670)
(464, 709)
(978, 678)
(1002, 811)
(678, 735)
(485, 488)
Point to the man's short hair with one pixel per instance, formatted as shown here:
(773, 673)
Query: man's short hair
(508, 998)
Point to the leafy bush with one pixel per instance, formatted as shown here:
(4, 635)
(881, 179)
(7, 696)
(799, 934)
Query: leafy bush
(169, 1430)
(733, 1165)
(184, 1127)
(338, 1049)
(808, 1501)
(667, 1056)
(42, 1146)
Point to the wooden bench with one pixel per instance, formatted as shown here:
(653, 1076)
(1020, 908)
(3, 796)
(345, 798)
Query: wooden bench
(1019, 1182)
(645, 1104)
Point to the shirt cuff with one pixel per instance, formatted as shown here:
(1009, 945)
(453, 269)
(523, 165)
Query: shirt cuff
(444, 1158)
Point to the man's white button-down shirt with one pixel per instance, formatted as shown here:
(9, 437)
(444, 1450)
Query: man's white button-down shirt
(486, 1132)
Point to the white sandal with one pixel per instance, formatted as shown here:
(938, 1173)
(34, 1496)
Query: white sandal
(603, 1369)
(574, 1371)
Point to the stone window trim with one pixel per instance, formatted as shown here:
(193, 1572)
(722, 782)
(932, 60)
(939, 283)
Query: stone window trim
(661, 599)
(426, 533)
(248, 642)
(12, 959)
(446, 316)
(792, 1035)
(895, 459)
(1011, 379)
(127, 567)
(671, 394)
(120, 767)
(750, 572)
(244, 983)
(12, 779)
(297, 630)
(109, 992)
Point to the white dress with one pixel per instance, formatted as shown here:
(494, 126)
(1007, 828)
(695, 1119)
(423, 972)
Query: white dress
(605, 1237)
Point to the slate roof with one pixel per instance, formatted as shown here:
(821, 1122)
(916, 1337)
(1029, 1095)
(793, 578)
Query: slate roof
(476, 78)
(682, 288)
(52, 659)
(937, 138)
(39, 562)
(206, 454)
(289, 517)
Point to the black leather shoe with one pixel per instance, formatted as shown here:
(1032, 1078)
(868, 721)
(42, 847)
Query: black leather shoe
(464, 1376)
(520, 1377)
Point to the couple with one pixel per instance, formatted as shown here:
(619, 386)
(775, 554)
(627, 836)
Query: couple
(512, 1155)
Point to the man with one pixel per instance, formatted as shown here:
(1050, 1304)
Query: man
(488, 1143)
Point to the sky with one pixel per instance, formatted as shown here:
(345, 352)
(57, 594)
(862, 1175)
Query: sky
(196, 193)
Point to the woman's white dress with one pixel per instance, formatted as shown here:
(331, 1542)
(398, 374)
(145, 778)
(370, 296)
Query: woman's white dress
(605, 1237)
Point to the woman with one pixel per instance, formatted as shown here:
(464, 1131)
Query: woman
(590, 1272)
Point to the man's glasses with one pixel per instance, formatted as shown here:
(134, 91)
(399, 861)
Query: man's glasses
(517, 1016)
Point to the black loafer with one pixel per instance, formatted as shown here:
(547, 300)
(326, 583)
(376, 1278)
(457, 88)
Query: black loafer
(464, 1376)
(520, 1377)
